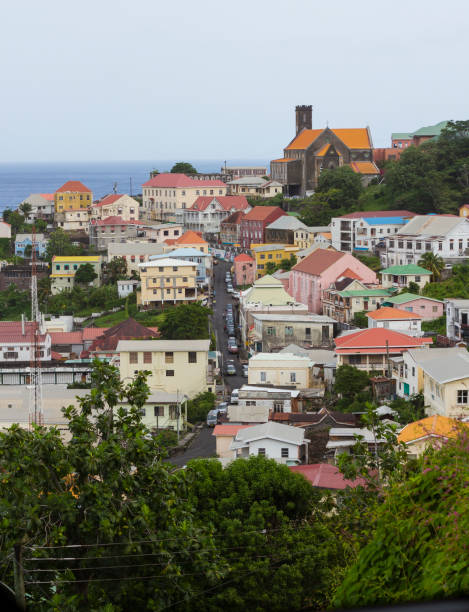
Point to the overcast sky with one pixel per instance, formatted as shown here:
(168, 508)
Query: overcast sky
(146, 79)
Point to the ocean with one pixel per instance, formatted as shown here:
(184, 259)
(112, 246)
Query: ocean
(18, 180)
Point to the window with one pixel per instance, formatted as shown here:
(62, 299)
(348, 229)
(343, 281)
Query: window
(418, 246)
(192, 356)
(409, 245)
(400, 244)
(169, 372)
(284, 452)
(451, 245)
(263, 376)
(440, 246)
(307, 332)
(262, 257)
(278, 406)
(462, 396)
(434, 308)
(261, 452)
(173, 412)
(288, 330)
(354, 359)
(428, 246)
(250, 402)
(413, 371)
(269, 256)
(169, 357)
(292, 376)
(147, 357)
(417, 279)
(271, 331)
(184, 279)
(158, 411)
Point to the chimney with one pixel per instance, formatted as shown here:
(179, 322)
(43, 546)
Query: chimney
(22, 324)
(304, 118)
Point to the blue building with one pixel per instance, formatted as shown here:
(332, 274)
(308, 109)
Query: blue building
(194, 255)
(22, 241)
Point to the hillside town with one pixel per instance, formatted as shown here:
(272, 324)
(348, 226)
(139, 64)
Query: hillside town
(295, 312)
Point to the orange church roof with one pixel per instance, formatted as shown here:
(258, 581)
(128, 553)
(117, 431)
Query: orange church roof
(324, 150)
(364, 167)
(354, 138)
(284, 159)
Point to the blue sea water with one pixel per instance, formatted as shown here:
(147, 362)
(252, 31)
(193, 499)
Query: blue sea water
(18, 180)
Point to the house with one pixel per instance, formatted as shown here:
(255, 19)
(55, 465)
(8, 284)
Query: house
(134, 253)
(254, 187)
(267, 295)
(280, 369)
(400, 141)
(176, 366)
(398, 320)
(253, 224)
(367, 170)
(267, 400)
(207, 212)
(457, 319)
(343, 304)
(163, 410)
(343, 439)
(74, 343)
(159, 232)
(401, 276)
(432, 431)
(58, 323)
(104, 346)
(370, 349)
(326, 476)
(42, 206)
(16, 338)
(20, 275)
(283, 230)
(24, 243)
(283, 276)
(427, 308)
(239, 171)
(271, 440)
(73, 196)
(305, 237)
(244, 270)
(319, 243)
(464, 210)
(363, 231)
(311, 151)
(197, 257)
(115, 205)
(127, 287)
(75, 220)
(64, 268)
(230, 229)
(273, 253)
(315, 273)
(443, 235)
(113, 229)
(324, 363)
(5, 230)
(167, 280)
(224, 436)
(189, 239)
(166, 196)
(272, 332)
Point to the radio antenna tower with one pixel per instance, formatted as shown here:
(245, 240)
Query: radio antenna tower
(36, 414)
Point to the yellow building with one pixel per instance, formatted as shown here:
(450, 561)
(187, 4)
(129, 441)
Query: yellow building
(72, 196)
(175, 366)
(431, 431)
(265, 253)
(64, 268)
(167, 280)
(307, 236)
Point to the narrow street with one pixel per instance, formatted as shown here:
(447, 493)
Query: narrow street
(202, 446)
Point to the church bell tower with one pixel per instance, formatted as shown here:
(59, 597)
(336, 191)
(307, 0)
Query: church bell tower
(304, 118)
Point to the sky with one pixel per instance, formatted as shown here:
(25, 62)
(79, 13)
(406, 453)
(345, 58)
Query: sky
(102, 80)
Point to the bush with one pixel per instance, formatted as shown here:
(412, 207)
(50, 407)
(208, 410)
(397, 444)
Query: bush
(198, 408)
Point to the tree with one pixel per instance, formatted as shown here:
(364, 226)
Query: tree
(85, 274)
(183, 168)
(344, 180)
(270, 267)
(457, 286)
(40, 225)
(360, 319)
(412, 287)
(115, 269)
(25, 208)
(16, 221)
(351, 385)
(433, 263)
(184, 322)
(199, 406)
(409, 410)
(372, 261)
(59, 244)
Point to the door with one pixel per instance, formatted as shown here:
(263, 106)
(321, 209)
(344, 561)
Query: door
(406, 389)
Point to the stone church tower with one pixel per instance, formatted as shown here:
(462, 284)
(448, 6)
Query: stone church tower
(304, 118)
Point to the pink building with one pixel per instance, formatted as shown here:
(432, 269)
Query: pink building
(244, 269)
(253, 224)
(427, 308)
(316, 272)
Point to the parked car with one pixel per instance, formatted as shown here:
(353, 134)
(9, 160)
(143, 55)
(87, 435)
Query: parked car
(232, 345)
(212, 418)
(230, 368)
(222, 408)
(245, 371)
(234, 396)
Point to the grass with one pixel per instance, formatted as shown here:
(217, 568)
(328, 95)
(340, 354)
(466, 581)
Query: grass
(147, 318)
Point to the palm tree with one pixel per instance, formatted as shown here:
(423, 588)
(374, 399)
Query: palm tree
(433, 263)
(25, 208)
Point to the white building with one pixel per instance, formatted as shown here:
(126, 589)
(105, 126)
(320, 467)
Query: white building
(457, 319)
(397, 320)
(280, 369)
(126, 287)
(134, 252)
(447, 237)
(407, 368)
(272, 440)
(16, 339)
(207, 212)
(115, 205)
(42, 206)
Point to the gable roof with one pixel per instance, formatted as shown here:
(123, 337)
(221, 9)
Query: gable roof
(326, 476)
(115, 220)
(316, 262)
(286, 222)
(364, 167)
(402, 298)
(170, 179)
(431, 225)
(109, 199)
(370, 214)
(47, 196)
(233, 218)
(405, 270)
(243, 257)
(226, 202)
(12, 331)
(377, 338)
(355, 138)
(227, 430)
(71, 186)
(261, 213)
(190, 237)
(387, 313)
(272, 430)
(454, 366)
(129, 329)
(435, 425)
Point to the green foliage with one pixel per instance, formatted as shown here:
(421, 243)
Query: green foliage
(457, 286)
(372, 261)
(352, 385)
(360, 319)
(186, 321)
(82, 301)
(60, 244)
(115, 270)
(412, 287)
(183, 168)
(343, 179)
(433, 263)
(418, 550)
(5, 248)
(25, 208)
(409, 410)
(40, 225)
(14, 303)
(85, 274)
(199, 406)
(437, 325)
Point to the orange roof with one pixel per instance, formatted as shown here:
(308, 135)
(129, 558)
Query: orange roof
(375, 338)
(348, 273)
(323, 151)
(260, 213)
(284, 159)
(355, 138)
(73, 186)
(47, 196)
(228, 430)
(431, 426)
(387, 313)
(190, 237)
(327, 235)
(364, 167)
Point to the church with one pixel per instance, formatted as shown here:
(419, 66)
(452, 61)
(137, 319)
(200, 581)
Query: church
(312, 151)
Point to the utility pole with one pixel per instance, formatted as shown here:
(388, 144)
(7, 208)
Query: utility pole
(36, 414)
(19, 577)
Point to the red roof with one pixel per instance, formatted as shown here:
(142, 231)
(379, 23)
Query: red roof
(73, 186)
(318, 261)
(47, 196)
(115, 220)
(375, 339)
(227, 202)
(228, 430)
(129, 329)
(243, 257)
(234, 218)
(189, 237)
(12, 331)
(75, 337)
(386, 313)
(378, 213)
(260, 213)
(169, 179)
(90, 333)
(326, 476)
(109, 199)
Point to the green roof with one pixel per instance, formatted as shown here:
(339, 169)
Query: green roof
(401, 136)
(402, 298)
(431, 130)
(404, 270)
(366, 292)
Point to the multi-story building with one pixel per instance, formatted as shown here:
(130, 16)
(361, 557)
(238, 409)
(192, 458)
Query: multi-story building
(240, 171)
(134, 253)
(20, 276)
(311, 151)
(401, 276)
(73, 195)
(363, 231)
(206, 213)
(42, 206)
(254, 187)
(253, 224)
(283, 230)
(343, 304)
(400, 141)
(113, 229)
(24, 244)
(445, 236)
(274, 253)
(64, 268)
(230, 229)
(457, 319)
(200, 259)
(304, 237)
(244, 270)
(166, 196)
(159, 232)
(272, 332)
(397, 320)
(167, 280)
(446, 385)
(176, 366)
(280, 370)
(16, 338)
(407, 368)
(73, 220)
(163, 411)
(115, 205)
